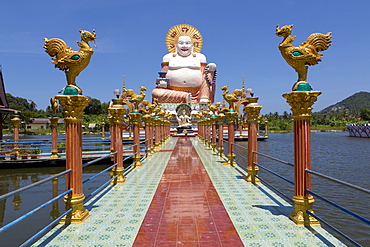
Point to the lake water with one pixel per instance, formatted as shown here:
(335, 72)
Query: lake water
(333, 154)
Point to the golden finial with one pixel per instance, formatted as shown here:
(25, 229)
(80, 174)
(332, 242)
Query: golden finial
(302, 56)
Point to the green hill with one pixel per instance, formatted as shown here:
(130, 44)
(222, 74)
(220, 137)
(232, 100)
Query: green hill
(351, 105)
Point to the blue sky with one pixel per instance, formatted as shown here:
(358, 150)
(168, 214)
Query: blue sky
(237, 35)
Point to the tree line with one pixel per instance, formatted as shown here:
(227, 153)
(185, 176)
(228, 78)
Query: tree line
(97, 111)
(338, 120)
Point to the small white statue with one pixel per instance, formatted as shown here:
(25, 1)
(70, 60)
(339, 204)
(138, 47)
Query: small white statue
(184, 119)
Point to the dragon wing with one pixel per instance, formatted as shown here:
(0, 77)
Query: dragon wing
(315, 43)
(54, 46)
(64, 55)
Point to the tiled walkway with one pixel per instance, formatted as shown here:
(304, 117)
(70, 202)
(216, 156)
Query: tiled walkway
(186, 209)
(259, 216)
(117, 212)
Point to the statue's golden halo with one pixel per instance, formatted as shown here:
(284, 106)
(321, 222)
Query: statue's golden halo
(183, 30)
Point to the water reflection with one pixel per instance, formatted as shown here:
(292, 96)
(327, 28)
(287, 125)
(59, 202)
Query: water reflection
(20, 204)
(335, 155)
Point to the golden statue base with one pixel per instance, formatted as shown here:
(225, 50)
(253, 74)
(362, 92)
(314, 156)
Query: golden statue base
(299, 215)
(251, 175)
(54, 155)
(230, 161)
(214, 149)
(117, 172)
(79, 213)
(220, 152)
(137, 161)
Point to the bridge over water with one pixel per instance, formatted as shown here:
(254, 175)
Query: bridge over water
(183, 195)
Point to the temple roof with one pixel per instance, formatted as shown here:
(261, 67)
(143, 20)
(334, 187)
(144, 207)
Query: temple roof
(4, 106)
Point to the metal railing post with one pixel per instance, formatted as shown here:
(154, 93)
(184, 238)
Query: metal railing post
(73, 107)
(301, 102)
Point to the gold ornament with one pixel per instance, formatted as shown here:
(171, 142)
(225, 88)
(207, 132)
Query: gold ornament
(70, 61)
(305, 54)
(231, 98)
(183, 30)
(73, 106)
(301, 102)
(134, 98)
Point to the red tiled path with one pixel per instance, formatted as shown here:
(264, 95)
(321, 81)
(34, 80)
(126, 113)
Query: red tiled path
(186, 209)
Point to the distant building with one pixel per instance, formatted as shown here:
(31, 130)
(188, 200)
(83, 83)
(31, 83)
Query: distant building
(41, 123)
(93, 126)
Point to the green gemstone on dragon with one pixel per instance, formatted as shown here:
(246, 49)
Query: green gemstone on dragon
(75, 57)
(297, 54)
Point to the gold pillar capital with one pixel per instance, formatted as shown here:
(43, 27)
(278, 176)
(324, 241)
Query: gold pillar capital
(135, 118)
(213, 119)
(53, 121)
(252, 109)
(116, 115)
(301, 102)
(73, 106)
(231, 116)
(16, 120)
(148, 120)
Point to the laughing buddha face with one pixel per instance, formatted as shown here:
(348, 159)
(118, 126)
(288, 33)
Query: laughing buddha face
(184, 46)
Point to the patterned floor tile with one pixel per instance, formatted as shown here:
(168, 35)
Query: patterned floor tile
(259, 215)
(115, 218)
(260, 220)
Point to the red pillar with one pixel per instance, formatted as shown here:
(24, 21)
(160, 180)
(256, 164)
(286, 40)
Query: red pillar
(54, 137)
(73, 106)
(252, 110)
(136, 118)
(16, 122)
(221, 134)
(301, 102)
(231, 116)
(117, 112)
(214, 122)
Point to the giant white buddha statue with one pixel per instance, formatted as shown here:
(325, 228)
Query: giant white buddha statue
(186, 76)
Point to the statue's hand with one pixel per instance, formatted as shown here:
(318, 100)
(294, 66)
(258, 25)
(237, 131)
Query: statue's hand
(203, 100)
(161, 83)
(212, 67)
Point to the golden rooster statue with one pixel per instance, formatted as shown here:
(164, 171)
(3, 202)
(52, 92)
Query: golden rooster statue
(214, 108)
(134, 98)
(302, 56)
(70, 61)
(231, 98)
(54, 105)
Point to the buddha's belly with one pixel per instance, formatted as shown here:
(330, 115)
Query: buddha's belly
(184, 77)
